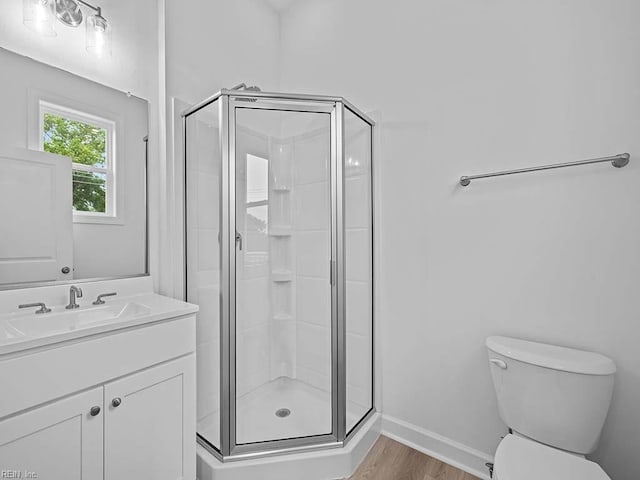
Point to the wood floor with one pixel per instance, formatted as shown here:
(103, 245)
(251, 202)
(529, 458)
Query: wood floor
(390, 460)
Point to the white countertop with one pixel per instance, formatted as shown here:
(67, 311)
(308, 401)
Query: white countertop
(91, 320)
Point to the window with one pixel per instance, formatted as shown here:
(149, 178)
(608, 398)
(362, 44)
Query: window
(258, 190)
(257, 211)
(89, 142)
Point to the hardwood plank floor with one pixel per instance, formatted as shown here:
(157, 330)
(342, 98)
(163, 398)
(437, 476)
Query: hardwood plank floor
(390, 460)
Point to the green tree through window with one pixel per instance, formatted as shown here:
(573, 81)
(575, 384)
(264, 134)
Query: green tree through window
(86, 145)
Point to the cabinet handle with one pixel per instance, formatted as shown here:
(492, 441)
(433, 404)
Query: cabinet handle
(94, 411)
(116, 402)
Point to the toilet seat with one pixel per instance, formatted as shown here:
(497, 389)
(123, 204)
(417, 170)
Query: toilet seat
(518, 458)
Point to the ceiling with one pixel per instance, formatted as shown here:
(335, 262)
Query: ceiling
(280, 5)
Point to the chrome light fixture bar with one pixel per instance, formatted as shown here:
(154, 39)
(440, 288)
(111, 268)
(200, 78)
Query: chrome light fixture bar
(38, 15)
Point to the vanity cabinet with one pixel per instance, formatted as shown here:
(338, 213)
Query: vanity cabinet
(61, 440)
(115, 406)
(144, 424)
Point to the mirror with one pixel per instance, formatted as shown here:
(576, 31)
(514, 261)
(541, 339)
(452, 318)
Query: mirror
(73, 177)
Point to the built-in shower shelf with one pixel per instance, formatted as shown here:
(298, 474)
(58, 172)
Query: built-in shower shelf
(282, 316)
(282, 188)
(282, 275)
(281, 231)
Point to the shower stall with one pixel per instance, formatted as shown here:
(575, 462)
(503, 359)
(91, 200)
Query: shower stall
(279, 257)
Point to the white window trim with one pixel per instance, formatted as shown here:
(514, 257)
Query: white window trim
(112, 215)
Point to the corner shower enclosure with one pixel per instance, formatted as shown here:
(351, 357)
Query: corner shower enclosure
(279, 257)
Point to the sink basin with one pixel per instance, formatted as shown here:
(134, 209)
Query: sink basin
(70, 320)
(8, 333)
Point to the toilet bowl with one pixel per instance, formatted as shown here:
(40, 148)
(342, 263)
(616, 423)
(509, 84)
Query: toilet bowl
(518, 458)
(555, 401)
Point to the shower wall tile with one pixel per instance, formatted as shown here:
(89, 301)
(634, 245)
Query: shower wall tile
(253, 303)
(357, 208)
(312, 206)
(359, 307)
(208, 278)
(312, 158)
(313, 378)
(208, 250)
(206, 146)
(314, 348)
(313, 253)
(192, 197)
(283, 348)
(358, 404)
(208, 318)
(252, 356)
(358, 350)
(313, 301)
(208, 204)
(358, 360)
(208, 378)
(358, 261)
(311, 225)
(192, 262)
(281, 156)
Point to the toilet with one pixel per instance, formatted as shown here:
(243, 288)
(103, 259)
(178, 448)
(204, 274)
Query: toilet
(555, 401)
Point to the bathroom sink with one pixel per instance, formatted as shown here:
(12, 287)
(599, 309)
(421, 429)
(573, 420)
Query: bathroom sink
(8, 333)
(70, 320)
(22, 329)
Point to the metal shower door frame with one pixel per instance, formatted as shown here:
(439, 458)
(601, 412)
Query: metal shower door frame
(336, 107)
(230, 449)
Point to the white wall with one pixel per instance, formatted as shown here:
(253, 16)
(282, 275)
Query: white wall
(210, 45)
(466, 87)
(231, 42)
(100, 250)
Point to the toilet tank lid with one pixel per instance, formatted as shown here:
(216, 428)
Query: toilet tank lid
(551, 356)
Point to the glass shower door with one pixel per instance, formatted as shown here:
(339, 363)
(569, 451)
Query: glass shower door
(283, 332)
(203, 174)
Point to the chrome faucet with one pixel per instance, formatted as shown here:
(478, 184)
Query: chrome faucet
(74, 292)
(100, 301)
(43, 308)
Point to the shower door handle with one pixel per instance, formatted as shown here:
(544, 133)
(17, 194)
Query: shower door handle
(239, 240)
(332, 272)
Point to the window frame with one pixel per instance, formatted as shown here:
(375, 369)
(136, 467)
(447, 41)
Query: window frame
(110, 126)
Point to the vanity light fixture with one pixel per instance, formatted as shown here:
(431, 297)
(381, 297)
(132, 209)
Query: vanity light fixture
(38, 15)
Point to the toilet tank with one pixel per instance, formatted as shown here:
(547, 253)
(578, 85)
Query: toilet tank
(555, 395)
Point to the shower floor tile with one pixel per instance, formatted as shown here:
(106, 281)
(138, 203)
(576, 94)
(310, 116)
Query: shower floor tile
(256, 411)
(310, 413)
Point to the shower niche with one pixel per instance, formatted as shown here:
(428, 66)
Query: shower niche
(279, 257)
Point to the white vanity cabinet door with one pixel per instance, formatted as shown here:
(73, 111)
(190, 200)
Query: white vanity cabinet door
(61, 440)
(150, 423)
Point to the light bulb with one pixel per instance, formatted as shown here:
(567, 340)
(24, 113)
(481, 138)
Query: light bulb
(98, 36)
(38, 15)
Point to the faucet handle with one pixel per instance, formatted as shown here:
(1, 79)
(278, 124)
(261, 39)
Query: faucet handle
(43, 308)
(100, 301)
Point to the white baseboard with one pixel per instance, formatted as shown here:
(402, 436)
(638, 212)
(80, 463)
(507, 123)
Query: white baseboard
(449, 451)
